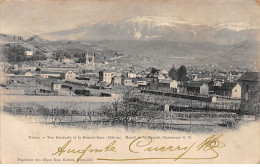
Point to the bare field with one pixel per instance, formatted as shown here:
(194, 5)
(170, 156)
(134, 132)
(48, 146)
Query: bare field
(77, 102)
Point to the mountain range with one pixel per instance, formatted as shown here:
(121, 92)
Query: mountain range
(154, 41)
(160, 28)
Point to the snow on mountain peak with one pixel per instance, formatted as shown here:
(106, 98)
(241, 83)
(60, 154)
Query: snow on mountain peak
(138, 35)
(158, 20)
(236, 26)
(163, 28)
(174, 21)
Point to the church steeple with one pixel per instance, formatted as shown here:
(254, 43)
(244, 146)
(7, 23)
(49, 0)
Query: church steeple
(90, 62)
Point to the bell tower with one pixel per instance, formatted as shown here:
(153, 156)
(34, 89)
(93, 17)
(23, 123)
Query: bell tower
(90, 63)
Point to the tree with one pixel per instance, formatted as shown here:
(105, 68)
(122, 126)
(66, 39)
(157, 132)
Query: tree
(14, 53)
(130, 110)
(182, 73)
(154, 70)
(81, 59)
(173, 73)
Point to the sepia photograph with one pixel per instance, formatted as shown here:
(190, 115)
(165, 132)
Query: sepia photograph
(121, 81)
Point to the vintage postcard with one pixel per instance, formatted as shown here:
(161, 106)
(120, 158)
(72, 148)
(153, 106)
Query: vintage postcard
(129, 81)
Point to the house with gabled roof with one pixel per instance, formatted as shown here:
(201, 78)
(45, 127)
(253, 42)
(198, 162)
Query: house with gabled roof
(195, 88)
(230, 89)
(250, 96)
(70, 75)
(117, 80)
(167, 84)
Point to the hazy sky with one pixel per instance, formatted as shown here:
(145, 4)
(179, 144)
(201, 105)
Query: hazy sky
(53, 15)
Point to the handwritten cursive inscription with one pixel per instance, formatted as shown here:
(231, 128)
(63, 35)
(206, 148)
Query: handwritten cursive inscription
(142, 145)
(81, 152)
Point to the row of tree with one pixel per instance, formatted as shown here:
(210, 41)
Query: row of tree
(180, 74)
(80, 57)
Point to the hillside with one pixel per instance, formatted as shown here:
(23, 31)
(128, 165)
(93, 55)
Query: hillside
(157, 53)
(17, 42)
(164, 53)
